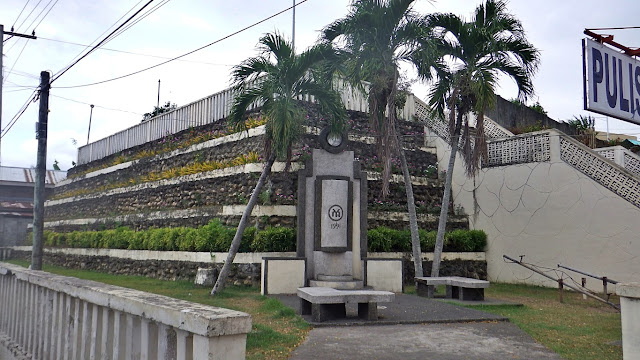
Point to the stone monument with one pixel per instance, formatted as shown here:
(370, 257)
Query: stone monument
(332, 215)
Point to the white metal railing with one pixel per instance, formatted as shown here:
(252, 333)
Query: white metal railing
(48, 316)
(204, 111)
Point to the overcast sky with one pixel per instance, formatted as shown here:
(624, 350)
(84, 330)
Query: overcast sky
(554, 27)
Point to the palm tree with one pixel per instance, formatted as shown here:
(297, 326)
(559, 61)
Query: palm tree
(476, 52)
(276, 79)
(372, 40)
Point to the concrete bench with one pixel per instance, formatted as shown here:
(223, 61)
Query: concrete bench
(460, 288)
(324, 303)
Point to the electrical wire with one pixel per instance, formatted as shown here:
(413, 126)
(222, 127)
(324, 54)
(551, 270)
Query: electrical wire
(31, 12)
(16, 61)
(98, 45)
(16, 117)
(140, 18)
(45, 15)
(185, 54)
(132, 53)
(24, 7)
(98, 106)
(104, 32)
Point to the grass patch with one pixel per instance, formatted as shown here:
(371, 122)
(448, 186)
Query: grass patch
(276, 330)
(576, 329)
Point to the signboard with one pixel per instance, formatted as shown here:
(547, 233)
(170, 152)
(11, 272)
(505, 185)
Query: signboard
(611, 82)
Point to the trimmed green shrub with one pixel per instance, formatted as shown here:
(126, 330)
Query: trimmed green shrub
(427, 240)
(383, 239)
(377, 241)
(479, 239)
(459, 241)
(275, 239)
(216, 237)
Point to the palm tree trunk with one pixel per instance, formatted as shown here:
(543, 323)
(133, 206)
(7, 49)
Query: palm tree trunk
(444, 209)
(235, 244)
(413, 218)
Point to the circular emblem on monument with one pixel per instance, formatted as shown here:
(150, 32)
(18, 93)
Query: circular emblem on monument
(335, 213)
(331, 141)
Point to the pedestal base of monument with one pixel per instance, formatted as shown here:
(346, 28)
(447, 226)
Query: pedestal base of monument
(326, 303)
(339, 282)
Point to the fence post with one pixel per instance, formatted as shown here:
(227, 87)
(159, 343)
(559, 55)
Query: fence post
(560, 290)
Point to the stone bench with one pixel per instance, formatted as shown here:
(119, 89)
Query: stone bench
(326, 303)
(460, 288)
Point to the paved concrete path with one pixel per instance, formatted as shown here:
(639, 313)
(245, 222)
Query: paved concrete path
(467, 341)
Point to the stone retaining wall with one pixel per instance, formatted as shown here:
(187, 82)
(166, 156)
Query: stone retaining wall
(470, 265)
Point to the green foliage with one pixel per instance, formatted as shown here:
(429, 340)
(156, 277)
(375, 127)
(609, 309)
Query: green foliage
(216, 237)
(157, 110)
(383, 239)
(275, 239)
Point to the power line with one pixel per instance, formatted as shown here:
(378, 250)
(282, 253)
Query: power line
(133, 53)
(183, 55)
(98, 106)
(100, 43)
(16, 117)
(15, 62)
(45, 15)
(24, 7)
(140, 18)
(104, 32)
(31, 12)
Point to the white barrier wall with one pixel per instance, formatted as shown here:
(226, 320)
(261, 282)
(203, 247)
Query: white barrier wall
(545, 207)
(46, 316)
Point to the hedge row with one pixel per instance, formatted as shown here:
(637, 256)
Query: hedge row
(213, 237)
(382, 239)
(216, 237)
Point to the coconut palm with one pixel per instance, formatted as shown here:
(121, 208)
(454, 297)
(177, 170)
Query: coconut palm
(373, 40)
(276, 79)
(477, 51)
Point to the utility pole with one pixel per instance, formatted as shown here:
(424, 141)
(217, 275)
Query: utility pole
(158, 103)
(293, 28)
(2, 32)
(89, 130)
(41, 169)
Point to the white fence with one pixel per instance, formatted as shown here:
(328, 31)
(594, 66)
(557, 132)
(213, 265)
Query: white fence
(45, 316)
(622, 157)
(204, 111)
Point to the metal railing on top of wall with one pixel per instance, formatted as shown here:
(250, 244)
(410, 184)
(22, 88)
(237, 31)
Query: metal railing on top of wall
(201, 112)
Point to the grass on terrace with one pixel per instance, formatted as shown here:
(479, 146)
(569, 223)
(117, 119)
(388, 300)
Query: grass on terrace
(576, 329)
(277, 330)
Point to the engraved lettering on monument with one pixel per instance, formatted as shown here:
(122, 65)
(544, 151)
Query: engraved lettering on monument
(333, 226)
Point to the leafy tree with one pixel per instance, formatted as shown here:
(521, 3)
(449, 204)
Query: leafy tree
(373, 40)
(491, 43)
(159, 110)
(276, 79)
(585, 126)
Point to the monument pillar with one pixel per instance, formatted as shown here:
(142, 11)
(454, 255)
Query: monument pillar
(332, 218)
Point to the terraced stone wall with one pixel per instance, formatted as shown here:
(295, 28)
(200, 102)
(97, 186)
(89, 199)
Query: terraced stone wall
(128, 189)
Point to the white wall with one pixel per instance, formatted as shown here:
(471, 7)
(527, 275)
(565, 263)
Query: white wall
(551, 213)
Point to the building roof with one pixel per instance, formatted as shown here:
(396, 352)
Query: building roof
(25, 175)
(16, 208)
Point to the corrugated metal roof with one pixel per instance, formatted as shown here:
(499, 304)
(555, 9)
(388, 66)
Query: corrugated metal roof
(25, 175)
